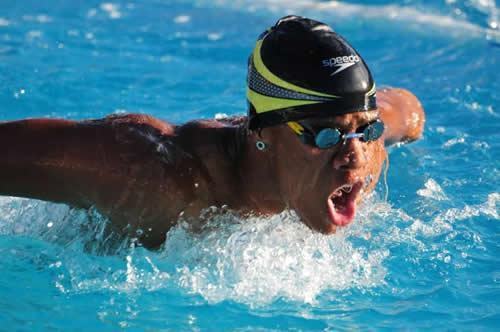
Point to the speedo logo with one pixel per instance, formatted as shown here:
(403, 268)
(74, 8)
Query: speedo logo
(341, 62)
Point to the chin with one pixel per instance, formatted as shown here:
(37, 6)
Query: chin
(338, 209)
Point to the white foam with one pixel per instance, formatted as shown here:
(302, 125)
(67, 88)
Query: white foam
(221, 116)
(214, 36)
(423, 21)
(454, 141)
(259, 260)
(432, 190)
(41, 18)
(112, 9)
(255, 261)
(489, 208)
(182, 19)
(4, 22)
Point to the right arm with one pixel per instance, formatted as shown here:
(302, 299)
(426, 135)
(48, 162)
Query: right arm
(110, 164)
(54, 160)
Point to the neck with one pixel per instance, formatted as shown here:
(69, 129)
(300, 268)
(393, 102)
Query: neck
(259, 178)
(240, 176)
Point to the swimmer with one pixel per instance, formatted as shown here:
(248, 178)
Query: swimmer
(313, 141)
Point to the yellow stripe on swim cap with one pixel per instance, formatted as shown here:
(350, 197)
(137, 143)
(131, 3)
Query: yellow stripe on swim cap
(372, 90)
(268, 75)
(263, 104)
(296, 127)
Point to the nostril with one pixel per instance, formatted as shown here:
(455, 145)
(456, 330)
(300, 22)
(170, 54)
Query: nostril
(348, 159)
(341, 161)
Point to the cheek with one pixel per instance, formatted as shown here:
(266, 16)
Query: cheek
(376, 154)
(300, 168)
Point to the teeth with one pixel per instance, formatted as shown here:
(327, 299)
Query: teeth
(346, 188)
(337, 194)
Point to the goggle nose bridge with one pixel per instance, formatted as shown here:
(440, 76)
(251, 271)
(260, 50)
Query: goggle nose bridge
(347, 136)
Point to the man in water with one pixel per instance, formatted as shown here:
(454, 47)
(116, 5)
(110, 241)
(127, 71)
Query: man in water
(313, 141)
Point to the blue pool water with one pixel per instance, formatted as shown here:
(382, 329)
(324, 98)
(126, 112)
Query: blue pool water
(427, 257)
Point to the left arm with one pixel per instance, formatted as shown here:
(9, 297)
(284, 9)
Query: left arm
(402, 114)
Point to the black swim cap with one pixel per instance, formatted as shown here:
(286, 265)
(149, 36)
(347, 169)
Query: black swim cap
(301, 68)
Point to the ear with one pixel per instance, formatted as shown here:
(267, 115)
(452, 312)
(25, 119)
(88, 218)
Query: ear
(271, 136)
(257, 139)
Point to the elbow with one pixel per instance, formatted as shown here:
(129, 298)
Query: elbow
(415, 116)
(403, 115)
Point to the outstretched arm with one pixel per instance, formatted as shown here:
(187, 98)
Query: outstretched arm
(111, 164)
(51, 159)
(402, 114)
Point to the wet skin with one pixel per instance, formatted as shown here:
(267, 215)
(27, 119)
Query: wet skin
(144, 173)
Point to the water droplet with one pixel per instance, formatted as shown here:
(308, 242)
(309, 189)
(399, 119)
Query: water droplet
(181, 19)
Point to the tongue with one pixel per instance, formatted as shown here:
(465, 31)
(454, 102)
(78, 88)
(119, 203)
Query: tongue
(342, 210)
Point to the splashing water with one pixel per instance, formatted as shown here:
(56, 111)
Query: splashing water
(254, 261)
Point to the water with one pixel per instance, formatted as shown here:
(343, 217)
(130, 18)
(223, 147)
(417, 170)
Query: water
(428, 257)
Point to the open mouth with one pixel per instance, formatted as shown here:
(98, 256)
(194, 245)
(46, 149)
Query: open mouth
(342, 203)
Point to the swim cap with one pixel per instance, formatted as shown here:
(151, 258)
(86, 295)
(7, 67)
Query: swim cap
(301, 68)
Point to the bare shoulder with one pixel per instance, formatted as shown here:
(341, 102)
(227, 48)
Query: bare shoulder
(136, 120)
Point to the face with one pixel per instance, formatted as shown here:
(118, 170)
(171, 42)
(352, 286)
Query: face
(324, 186)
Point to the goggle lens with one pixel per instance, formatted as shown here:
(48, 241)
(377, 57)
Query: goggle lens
(327, 138)
(373, 131)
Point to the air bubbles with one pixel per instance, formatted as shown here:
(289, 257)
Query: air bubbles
(91, 12)
(112, 9)
(454, 141)
(479, 145)
(214, 36)
(444, 257)
(56, 265)
(191, 320)
(221, 116)
(182, 19)
(33, 34)
(41, 18)
(19, 93)
(166, 58)
(493, 35)
(73, 32)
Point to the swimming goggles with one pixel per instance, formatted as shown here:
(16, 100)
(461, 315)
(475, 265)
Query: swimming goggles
(326, 137)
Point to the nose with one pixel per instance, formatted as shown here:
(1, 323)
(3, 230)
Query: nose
(351, 155)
